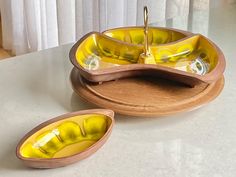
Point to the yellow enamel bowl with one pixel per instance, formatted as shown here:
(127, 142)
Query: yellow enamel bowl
(66, 139)
(176, 55)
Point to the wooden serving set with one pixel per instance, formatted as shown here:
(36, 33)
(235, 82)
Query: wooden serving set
(147, 71)
(137, 71)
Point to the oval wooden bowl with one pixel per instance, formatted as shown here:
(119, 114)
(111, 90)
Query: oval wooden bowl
(66, 139)
(179, 55)
(145, 96)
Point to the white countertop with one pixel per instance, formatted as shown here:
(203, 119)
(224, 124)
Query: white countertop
(35, 87)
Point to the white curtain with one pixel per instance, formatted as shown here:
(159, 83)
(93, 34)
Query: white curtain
(31, 25)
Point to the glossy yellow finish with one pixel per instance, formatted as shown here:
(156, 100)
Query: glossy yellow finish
(135, 35)
(184, 55)
(190, 54)
(98, 52)
(66, 137)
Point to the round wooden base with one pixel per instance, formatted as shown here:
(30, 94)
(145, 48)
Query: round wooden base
(145, 96)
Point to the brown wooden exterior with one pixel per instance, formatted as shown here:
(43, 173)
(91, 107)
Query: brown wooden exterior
(145, 97)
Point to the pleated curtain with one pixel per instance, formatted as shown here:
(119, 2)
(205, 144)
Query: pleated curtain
(32, 25)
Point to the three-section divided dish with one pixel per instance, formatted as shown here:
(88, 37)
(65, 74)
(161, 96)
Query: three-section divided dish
(176, 55)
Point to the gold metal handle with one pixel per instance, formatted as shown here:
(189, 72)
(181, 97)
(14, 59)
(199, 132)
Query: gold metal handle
(146, 57)
(146, 46)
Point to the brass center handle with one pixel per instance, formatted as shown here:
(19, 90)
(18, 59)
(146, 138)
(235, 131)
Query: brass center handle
(146, 46)
(146, 57)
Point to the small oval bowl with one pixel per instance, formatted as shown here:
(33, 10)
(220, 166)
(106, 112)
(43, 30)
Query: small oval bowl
(65, 139)
(180, 56)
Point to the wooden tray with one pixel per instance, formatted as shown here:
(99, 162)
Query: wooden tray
(145, 96)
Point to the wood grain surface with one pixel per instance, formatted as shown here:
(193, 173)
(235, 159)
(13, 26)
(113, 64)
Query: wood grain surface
(145, 96)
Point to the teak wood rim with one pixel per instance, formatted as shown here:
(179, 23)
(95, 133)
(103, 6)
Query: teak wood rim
(82, 88)
(63, 161)
(117, 72)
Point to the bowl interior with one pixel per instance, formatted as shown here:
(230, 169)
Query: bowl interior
(66, 137)
(194, 54)
(135, 35)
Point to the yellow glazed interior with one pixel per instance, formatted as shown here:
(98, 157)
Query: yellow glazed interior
(193, 54)
(136, 36)
(66, 137)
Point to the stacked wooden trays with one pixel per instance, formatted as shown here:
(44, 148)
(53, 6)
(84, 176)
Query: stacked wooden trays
(188, 72)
